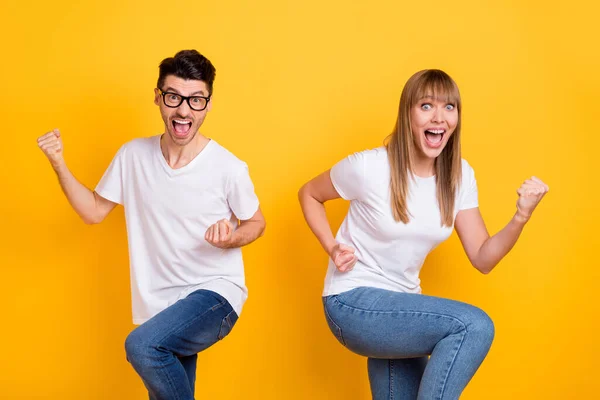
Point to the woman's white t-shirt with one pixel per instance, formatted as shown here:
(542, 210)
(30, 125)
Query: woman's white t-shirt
(390, 254)
(168, 211)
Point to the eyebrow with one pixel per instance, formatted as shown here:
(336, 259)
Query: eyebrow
(198, 92)
(436, 98)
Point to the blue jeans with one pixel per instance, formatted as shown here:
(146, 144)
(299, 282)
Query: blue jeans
(163, 350)
(399, 331)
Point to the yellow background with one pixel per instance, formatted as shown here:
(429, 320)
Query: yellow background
(300, 84)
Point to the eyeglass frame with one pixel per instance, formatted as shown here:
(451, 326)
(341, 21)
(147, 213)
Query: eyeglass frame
(183, 98)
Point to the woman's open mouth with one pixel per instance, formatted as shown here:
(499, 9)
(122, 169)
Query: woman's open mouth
(434, 137)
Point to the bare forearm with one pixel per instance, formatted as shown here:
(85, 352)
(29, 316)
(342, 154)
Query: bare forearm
(246, 233)
(316, 218)
(497, 246)
(82, 199)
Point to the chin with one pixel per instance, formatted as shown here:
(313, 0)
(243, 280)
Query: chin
(432, 153)
(435, 154)
(182, 141)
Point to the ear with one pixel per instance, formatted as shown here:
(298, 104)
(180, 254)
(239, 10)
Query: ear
(156, 97)
(209, 106)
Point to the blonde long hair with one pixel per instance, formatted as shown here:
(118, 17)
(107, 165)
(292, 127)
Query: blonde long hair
(401, 146)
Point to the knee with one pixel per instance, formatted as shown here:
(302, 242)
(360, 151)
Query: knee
(137, 348)
(482, 326)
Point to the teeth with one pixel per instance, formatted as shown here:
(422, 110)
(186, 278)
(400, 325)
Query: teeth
(178, 121)
(436, 131)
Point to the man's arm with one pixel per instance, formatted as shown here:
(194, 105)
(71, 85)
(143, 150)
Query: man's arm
(89, 205)
(222, 234)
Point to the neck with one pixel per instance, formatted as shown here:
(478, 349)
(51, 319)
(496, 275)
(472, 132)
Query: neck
(177, 155)
(423, 167)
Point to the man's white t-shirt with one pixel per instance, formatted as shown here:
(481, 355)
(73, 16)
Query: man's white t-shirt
(390, 254)
(167, 213)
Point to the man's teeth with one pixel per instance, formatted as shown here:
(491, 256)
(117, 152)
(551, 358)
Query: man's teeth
(181, 122)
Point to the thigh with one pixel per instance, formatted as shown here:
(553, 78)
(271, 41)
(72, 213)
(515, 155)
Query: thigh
(385, 324)
(189, 326)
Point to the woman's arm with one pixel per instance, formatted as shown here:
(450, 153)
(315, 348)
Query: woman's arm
(485, 252)
(312, 196)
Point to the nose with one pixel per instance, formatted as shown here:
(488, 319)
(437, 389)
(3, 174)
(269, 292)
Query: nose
(438, 115)
(184, 109)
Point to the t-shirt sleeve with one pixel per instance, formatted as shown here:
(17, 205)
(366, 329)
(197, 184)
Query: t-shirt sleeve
(111, 185)
(240, 195)
(469, 197)
(348, 176)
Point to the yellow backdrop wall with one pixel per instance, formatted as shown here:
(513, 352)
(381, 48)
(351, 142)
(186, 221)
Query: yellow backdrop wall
(300, 84)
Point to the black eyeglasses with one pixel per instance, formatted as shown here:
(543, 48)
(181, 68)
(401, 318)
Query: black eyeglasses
(174, 100)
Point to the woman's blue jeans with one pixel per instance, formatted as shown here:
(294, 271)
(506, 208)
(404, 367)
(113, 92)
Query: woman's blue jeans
(399, 331)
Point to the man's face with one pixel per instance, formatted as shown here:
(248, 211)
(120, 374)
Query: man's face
(182, 122)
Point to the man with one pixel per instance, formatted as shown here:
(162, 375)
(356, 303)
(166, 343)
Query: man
(189, 206)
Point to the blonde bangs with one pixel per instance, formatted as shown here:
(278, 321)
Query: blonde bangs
(436, 86)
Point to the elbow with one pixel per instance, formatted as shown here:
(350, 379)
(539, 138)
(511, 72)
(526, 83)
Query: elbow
(92, 219)
(306, 195)
(301, 193)
(485, 271)
(483, 268)
(262, 228)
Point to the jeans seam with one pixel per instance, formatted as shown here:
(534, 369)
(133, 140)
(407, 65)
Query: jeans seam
(227, 321)
(405, 312)
(391, 379)
(462, 339)
(219, 305)
(171, 385)
(335, 324)
(222, 300)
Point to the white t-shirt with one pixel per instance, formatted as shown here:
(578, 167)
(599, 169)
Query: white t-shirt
(390, 254)
(167, 213)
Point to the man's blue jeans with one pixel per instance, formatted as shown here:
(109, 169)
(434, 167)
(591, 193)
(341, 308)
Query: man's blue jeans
(163, 350)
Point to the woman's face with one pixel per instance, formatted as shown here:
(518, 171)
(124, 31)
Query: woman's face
(432, 123)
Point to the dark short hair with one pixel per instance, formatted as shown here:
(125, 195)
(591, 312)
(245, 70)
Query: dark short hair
(189, 65)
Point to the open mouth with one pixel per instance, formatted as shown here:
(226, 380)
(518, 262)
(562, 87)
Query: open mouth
(434, 137)
(181, 127)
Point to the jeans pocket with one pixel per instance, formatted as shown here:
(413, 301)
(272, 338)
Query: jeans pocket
(335, 328)
(227, 324)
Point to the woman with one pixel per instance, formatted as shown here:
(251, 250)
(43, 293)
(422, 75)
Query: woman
(405, 198)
